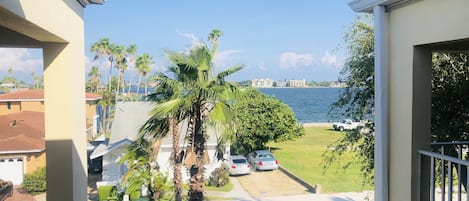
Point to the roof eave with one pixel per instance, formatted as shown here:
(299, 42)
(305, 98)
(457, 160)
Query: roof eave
(366, 6)
(84, 3)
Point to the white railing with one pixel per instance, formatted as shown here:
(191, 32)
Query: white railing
(441, 165)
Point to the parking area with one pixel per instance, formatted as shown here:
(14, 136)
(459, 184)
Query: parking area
(261, 184)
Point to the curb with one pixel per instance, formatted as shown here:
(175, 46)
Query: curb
(297, 179)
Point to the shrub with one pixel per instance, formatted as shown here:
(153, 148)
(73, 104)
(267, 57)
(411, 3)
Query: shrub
(35, 182)
(219, 177)
(106, 193)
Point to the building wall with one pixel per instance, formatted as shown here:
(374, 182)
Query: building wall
(422, 23)
(35, 106)
(14, 107)
(62, 41)
(90, 111)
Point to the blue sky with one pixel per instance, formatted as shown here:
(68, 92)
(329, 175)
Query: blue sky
(272, 39)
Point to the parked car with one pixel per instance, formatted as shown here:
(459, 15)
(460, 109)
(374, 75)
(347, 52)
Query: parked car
(347, 124)
(6, 189)
(237, 165)
(263, 160)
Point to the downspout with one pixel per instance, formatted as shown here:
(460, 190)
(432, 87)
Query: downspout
(381, 109)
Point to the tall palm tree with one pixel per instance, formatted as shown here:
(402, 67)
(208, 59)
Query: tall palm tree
(94, 77)
(213, 37)
(132, 53)
(120, 56)
(143, 64)
(192, 96)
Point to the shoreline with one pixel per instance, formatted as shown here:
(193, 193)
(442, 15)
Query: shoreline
(317, 124)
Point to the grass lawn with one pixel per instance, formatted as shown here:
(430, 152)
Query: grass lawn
(303, 157)
(226, 188)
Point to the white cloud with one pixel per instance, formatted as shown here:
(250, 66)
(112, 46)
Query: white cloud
(195, 40)
(19, 59)
(224, 56)
(330, 61)
(295, 60)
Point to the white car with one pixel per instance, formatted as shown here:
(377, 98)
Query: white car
(347, 124)
(237, 165)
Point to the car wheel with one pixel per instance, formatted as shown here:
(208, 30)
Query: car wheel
(341, 128)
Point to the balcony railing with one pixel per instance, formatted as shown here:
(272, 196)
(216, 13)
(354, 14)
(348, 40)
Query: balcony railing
(442, 166)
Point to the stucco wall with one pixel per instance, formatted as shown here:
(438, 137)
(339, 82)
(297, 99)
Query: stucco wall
(35, 106)
(57, 28)
(14, 107)
(421, 23)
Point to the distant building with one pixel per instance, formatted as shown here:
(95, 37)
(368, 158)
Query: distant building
(297, 83)
(262, 83)
(281, 83)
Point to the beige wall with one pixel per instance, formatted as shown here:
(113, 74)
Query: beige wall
(35, 106)
(14, 107)
(57, 27)
(421, 23)
(90, 111)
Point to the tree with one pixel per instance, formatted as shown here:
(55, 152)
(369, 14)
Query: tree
(357, 99)
(261, 119)
(191, 96)
(132, 53)
(94, 79)
(449, 109)
(120, 55)
(143, 64)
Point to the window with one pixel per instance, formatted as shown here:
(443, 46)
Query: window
(8, 105)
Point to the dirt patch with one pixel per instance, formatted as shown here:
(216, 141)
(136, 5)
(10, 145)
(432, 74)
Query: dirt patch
(270, 183)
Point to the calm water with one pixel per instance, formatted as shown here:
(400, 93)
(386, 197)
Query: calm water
(308, 104)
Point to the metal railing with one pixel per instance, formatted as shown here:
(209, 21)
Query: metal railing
(442, 166)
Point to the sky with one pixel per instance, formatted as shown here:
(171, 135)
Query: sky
(298, 39)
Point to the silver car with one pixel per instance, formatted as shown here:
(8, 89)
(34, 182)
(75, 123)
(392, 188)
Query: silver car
(263, 160)
(237, 165)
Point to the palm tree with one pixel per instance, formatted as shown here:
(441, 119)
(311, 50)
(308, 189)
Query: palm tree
(94, 76)
(105, 50)
(131, 52)
(35, 80)
(213, 37)
(143, 66)
(192, 96)
(120, 56)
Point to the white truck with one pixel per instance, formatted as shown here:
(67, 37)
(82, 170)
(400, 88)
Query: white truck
(347, 124)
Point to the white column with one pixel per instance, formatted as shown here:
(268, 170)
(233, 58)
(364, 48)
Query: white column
(381, 106)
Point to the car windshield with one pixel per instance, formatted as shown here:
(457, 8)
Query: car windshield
(239, 161)
(343, 121)
(265, 156)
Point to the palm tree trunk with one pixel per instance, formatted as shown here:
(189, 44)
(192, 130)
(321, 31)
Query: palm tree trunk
(138, 84)
(197, 181)
(177, 175)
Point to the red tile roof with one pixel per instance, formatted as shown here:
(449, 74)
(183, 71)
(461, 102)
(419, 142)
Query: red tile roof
(22, 132)
(37, 95)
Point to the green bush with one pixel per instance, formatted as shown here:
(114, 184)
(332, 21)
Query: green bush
(35, 182)
(219, 177)
(107, 193)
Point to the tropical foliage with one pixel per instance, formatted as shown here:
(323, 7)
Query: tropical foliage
(191, 97)
(273, 121)
(357, 99)
(113, 56)
(450, 100)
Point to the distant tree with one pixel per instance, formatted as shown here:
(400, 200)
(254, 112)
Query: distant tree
(143, 64)
(132, 54)
(261, 119)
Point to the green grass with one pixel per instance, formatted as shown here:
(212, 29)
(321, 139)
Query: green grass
(303, 157)
(226, 188)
